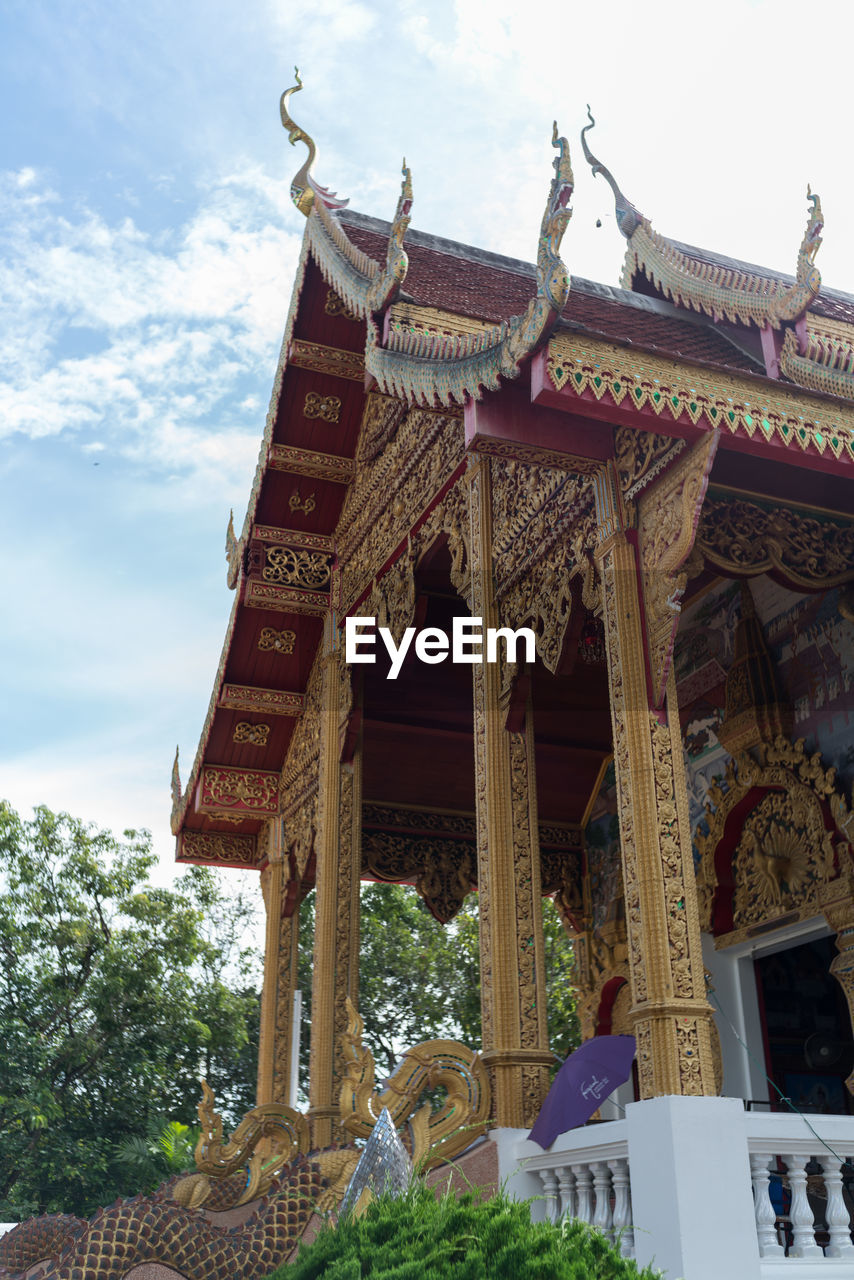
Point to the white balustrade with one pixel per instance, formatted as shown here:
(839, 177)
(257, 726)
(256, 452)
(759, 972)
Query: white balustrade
(586, 1175)
(813, 1163)
(589, 1180)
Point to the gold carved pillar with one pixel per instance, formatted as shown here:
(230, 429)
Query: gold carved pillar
(513, 1000)
(281, 960)
(671, 1017)
(336, 927)
(837, 903)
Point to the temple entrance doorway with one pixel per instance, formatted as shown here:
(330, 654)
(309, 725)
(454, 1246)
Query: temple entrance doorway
(806, 1026)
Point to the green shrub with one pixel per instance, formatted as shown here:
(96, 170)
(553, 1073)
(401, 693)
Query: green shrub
(420, 1237)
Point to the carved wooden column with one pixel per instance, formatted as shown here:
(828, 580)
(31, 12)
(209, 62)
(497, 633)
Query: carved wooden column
(837, 903)
(515, 1035)
(271, 889)
(336, 929)
(669, 1010)
(281, 968)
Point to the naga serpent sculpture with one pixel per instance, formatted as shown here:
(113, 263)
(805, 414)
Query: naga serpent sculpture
(155, 1229)
(433, 1137)
(266, 1156)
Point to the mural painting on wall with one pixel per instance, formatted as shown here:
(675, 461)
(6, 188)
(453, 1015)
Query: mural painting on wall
(812, 646)
(602, 846)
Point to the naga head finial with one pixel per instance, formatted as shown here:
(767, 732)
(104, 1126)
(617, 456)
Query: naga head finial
(230, 539)
(302, 193)
(812, 241)
(563, 168)
(628, 217)
(304, 189)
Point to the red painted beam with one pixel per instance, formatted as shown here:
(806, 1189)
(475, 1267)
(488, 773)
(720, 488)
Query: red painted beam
(627, 414)
(508, 424)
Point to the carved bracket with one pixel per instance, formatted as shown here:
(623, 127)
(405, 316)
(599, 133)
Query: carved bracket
(668, 515)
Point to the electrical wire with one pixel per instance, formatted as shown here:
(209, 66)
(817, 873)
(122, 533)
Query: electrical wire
(843, 1160)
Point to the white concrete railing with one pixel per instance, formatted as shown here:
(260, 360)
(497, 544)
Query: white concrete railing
(817, 1227)
(585, 1175)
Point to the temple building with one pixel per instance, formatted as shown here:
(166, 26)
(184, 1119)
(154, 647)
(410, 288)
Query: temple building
(657, 479)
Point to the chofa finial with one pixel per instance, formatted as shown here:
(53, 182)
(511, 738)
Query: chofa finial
(304, 189)
(176, 782)
(628, 217)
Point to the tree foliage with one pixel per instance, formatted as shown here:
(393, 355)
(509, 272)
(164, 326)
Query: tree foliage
(116, 996)
(424, 1237)
(419, 979)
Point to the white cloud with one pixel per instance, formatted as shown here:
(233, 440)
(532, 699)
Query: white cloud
(178, 322)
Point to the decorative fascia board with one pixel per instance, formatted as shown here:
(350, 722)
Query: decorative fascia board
(331, 360)
(294, 538)
(683, 394)
(217, 848)
(305, 462)
(275, 702)
(252, 793)
(267, 595)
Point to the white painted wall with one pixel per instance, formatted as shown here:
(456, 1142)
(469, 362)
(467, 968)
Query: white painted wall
(692, 1196)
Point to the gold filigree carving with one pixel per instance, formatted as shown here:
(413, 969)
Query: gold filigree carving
(308, 462)
(787, 852)
(328, 408)
(535, 559)
(297, 503)
(746, 538)
(434, 1138)
(392, 599)
(294, 538)
(335, 306)
(249, 790)
(329, 360)
(391, 494)
(269, 595)
(277, 702)
(298, 568)
(668, 513)
(380, 420)
(640, 457)
(254, 734)
(443, 871)
(215, 848)
(271, 640)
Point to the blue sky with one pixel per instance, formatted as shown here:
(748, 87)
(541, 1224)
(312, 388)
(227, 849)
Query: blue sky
(148, 246)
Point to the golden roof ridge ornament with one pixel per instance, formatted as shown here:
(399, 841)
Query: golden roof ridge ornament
(304, 189)
(629, 218)
(430, 368)
(807, 275)
(387, 283)
(721, 290)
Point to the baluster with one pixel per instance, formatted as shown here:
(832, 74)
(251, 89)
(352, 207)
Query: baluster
(602, 1183)
(565, 1181)
(624, 1236)
(584, 1193)
(549, 1181)
(804, 1245)
(766, 1218)
(838, 1225)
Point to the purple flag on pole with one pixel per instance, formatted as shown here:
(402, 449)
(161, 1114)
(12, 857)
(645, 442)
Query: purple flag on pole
(586, 1078)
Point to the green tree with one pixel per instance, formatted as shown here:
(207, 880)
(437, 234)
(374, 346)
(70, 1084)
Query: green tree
(116, 996)
(419, 979)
